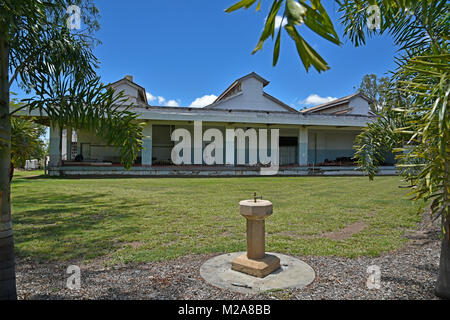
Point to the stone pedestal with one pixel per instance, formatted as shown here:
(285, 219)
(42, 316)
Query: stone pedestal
(256, 262)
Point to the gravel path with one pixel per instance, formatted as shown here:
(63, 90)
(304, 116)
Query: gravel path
(409, 273)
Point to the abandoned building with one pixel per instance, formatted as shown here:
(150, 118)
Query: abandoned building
(318, 140)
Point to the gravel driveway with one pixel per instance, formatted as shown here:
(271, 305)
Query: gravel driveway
(409, 273)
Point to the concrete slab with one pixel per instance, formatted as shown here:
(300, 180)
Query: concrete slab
(293, 273)
(206, 171)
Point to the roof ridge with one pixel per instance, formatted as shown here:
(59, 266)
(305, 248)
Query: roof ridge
(139, 87)
(334, 102)
(251, 74)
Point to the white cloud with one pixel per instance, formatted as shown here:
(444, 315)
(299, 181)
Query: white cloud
(150, 97)
(161, 100)
(172, 103)
(315, 99)
(203, 101)
(278, 20)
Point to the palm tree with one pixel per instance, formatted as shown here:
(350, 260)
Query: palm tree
(56, 67)
(25, 142)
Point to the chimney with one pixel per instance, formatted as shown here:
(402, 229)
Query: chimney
(129, 78)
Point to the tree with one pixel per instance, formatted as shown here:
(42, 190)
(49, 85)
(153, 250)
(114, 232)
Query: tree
(296, 13)
(417, 126)
(26, 140)
(375, 89)
(420, 29)
(381, 137)
(56, 67)
(421, 141)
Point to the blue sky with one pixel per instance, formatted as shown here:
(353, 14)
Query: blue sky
(184, 50)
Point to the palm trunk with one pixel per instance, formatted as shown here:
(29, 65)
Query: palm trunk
(7, 270)
(11, 172)
(442, 289)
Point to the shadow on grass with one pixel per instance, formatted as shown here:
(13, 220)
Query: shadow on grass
(70, 227)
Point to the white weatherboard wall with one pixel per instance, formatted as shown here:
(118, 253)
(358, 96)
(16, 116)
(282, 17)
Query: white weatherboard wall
(360, 106)
(251, 98)
(128, 90)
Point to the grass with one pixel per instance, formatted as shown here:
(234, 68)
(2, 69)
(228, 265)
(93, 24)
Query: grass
(153, 219)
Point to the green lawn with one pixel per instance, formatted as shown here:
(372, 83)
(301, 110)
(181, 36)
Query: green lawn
(161, 218)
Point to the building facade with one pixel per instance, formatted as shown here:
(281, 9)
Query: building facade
(233, 130)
